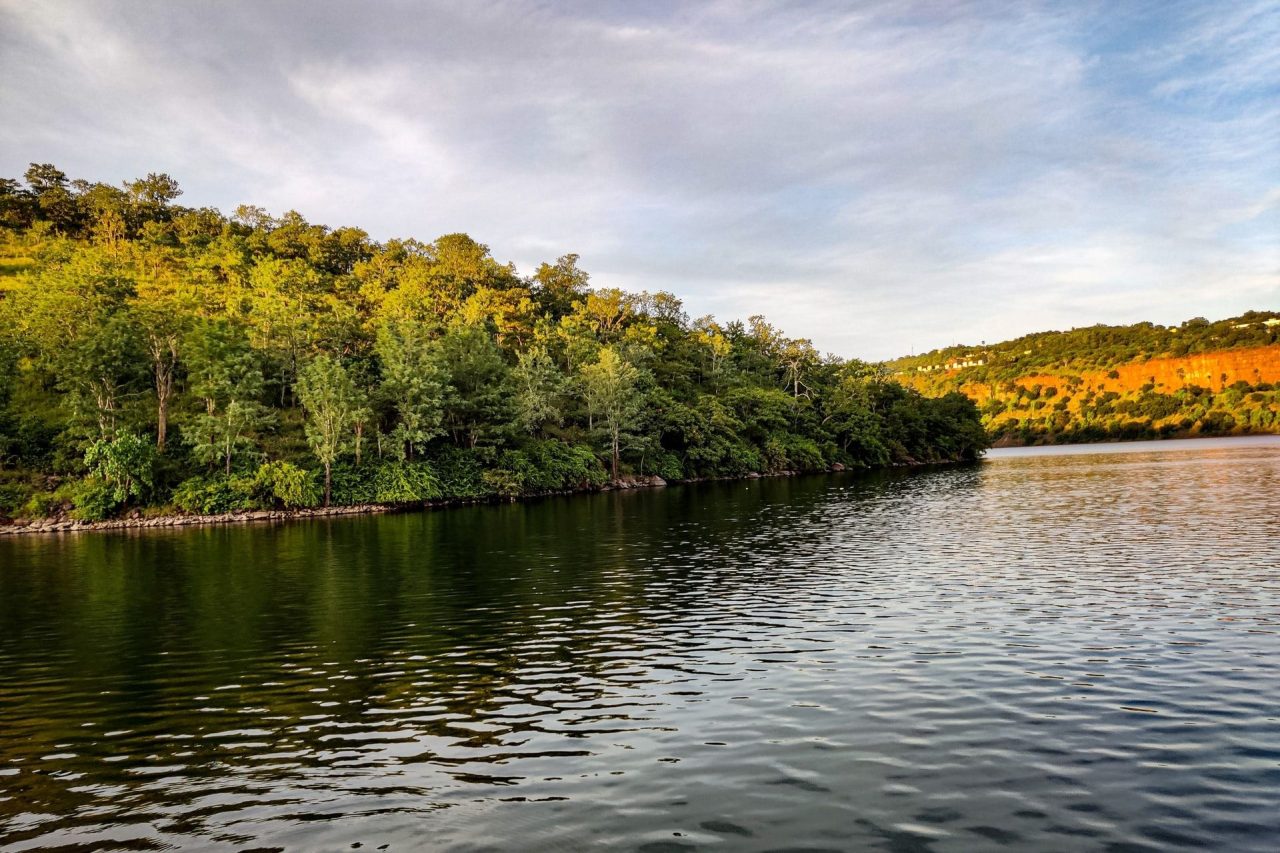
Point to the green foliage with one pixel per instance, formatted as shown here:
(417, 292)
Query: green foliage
(284, 485)
(611, 391)
(122, 468)
(408, 371)
(544, 466)
(1101, 347)
(665, 464)
(411, 385)
(94, 499)
(539, 388)
(43, 504)
(274, 485)
(332, 402)
(218, 493)
(477, 403)
(227, 382)
(459, 473)
(405, 482)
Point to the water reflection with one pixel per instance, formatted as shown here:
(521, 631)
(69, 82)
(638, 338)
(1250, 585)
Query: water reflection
(1038, 652)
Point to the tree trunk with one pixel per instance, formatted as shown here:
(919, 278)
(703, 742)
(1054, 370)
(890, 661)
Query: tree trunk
(615, 454)
(359, 434)
(162, 420)
(164, 357)
(328, 481)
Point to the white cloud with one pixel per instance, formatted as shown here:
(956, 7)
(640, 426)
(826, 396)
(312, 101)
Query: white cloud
(880, 178)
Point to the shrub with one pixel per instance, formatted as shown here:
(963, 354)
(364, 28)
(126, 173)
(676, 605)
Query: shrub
(405, 482)
(284, 484)
(459, 474)
(666, 465)
(545, 466)
(13, 496)
(45, 504)
(125, 464)
(95, 498)
(504, 481)
(774, 454)
(803, 453)
(216, 494)
(555, 465)
(353, 485)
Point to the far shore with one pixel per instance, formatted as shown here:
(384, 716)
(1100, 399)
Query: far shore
(1145, 445)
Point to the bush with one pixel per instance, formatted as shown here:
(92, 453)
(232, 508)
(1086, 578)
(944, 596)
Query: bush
(45, 504)
(13, 496)
(1217, 422)
(273, 485)
(283, 484)
(353, 485)
(504, 481)
(459, 474)
(95, 498)
(666, 465)
(125, 465)
(216, 494)
(803, 453)
(405, 482)
(557, 466)
(545, 466)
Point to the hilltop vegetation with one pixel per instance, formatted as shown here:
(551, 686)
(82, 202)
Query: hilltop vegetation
(155, 355)
(1116, 382)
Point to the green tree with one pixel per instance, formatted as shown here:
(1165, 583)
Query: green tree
(477, 402)
(226, 378)
(610, 388)
(411, 384)
(331, 402)
(558, 286)
(539, 387)
(126, 463)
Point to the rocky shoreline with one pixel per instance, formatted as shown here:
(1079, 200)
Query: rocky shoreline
(137, 521)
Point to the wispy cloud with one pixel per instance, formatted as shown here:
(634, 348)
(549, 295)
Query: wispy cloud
(878, 177)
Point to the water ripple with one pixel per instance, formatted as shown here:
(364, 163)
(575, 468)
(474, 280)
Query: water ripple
(1040, 652)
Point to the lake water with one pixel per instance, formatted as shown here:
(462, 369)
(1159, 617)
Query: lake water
(1044, 651)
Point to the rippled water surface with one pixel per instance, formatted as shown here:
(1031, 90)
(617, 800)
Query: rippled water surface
(1040, 652)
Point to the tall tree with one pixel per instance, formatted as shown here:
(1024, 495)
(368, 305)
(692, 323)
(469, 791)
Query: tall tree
(539, 386)
(331, 402)
(226, 377)
(610, 387)
(477, 403)
(411, 384)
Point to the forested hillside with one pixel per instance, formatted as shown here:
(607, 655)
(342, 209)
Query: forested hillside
(1116, 382)
(159, 357)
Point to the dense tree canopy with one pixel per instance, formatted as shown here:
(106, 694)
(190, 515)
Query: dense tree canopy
(155, 354)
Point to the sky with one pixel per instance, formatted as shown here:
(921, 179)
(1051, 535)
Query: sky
(880, 177)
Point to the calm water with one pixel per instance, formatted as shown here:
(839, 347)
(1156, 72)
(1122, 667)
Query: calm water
(1041, 652)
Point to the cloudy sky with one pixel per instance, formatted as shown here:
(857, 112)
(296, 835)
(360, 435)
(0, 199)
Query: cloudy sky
(881, 177)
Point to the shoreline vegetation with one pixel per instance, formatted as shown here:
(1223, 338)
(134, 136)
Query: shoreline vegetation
(140, 520)
(163, 362)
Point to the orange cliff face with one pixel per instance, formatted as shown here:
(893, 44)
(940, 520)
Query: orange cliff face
(1212, 370)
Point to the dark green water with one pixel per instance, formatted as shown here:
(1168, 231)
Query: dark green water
(1041, 652)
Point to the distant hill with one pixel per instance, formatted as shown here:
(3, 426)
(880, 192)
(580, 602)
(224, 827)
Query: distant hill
(1103, 383)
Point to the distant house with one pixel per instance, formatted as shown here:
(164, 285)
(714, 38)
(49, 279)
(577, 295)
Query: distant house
(968, 361)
